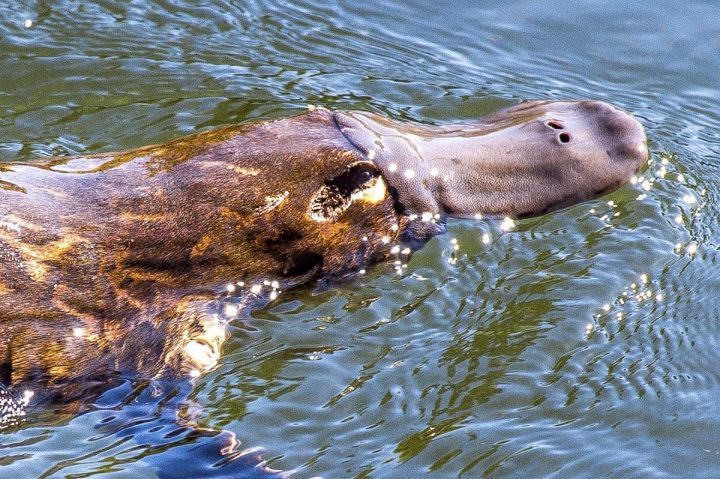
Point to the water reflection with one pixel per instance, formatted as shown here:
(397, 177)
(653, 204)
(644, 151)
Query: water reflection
(480, 366)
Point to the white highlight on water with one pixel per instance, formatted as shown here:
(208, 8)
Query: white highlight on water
(507, 224)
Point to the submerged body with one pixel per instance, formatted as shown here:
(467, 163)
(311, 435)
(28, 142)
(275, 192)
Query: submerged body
(133, 263)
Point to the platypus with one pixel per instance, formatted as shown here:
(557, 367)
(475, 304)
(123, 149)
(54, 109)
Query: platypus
(131, 264)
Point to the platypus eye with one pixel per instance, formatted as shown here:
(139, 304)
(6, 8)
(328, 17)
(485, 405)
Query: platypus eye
(338, 193)
(365, 176)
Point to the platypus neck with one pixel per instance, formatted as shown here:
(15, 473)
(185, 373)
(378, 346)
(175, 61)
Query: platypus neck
(413, 177)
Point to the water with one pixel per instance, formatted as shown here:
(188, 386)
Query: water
(530, 356)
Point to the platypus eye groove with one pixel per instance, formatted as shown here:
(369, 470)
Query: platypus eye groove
(353, 179)
(333, 198)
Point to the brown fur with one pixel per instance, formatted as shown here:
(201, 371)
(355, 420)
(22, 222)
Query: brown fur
(133, 250)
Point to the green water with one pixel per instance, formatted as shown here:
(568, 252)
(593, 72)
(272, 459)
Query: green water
(582, 344)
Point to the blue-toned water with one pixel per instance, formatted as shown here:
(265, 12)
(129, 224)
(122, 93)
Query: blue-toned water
(581, 344)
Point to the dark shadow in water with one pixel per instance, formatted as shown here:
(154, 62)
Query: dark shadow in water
(152, 424)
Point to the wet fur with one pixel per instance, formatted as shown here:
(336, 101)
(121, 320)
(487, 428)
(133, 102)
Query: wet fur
(135, 250)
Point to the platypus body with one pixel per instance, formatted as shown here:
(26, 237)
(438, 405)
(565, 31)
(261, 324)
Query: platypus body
(132, 263)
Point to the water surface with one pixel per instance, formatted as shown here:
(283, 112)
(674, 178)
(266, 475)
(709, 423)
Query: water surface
(580, 344)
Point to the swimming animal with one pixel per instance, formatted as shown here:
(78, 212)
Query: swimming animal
(132, 264)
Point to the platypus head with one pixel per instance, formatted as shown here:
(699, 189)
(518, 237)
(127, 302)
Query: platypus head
(522, 161)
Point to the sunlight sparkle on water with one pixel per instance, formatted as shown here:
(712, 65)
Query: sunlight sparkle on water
(507, 224)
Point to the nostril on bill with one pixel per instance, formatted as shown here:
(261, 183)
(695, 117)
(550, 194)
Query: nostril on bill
(564, 137)
(554, 124)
